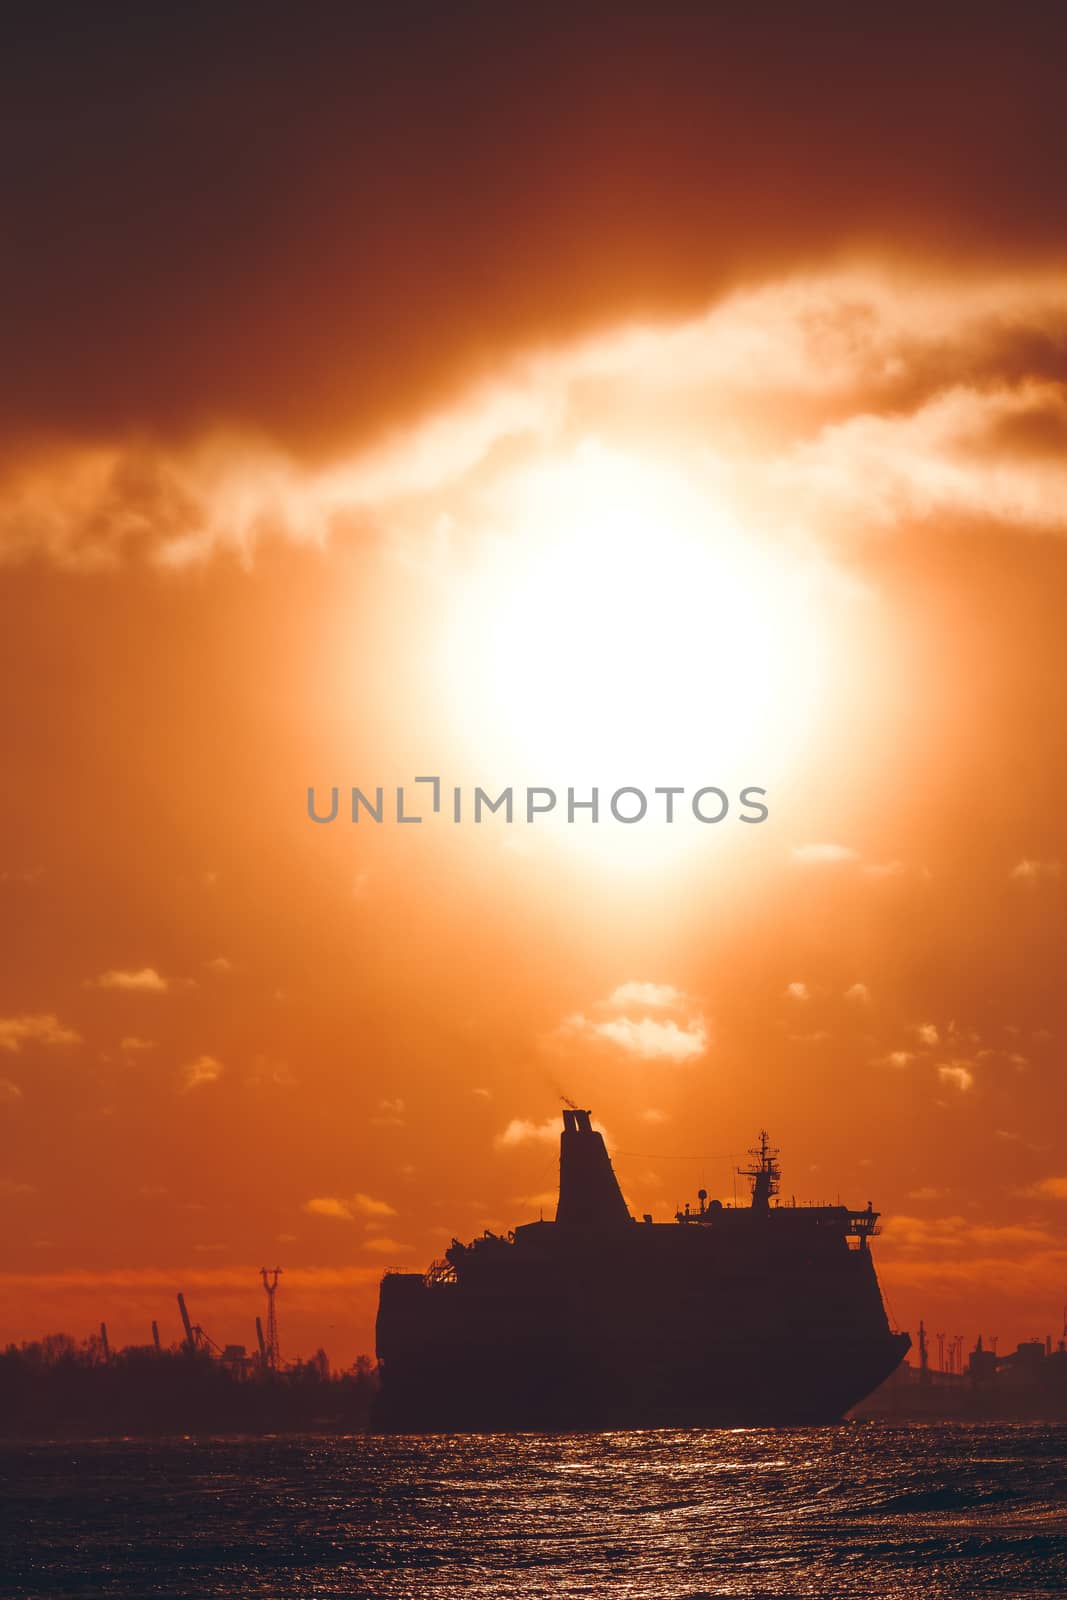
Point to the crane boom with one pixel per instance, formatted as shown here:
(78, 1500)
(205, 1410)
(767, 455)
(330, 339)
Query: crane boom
(190, 1341)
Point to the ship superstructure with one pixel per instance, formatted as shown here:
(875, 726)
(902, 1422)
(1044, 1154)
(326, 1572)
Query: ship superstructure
(727, 1315)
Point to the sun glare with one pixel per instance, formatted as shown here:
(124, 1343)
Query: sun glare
(618, 628)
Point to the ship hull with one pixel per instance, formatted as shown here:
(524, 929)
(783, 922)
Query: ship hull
(534, 1389)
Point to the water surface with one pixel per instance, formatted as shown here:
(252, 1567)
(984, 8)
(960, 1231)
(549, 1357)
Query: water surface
(864, 1509)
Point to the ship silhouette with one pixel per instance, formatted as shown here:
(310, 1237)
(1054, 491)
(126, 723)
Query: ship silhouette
(764, 1314)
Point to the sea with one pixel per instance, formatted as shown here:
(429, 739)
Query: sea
(883, 1511)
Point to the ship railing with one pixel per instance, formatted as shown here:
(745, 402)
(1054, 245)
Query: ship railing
(439, 1272)
(864, 1223)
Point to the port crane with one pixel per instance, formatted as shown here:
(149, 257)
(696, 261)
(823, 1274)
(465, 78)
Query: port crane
(196, 1337)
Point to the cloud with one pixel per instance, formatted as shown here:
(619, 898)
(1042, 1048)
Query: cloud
(859, 992)
(654, 1116)
(389, 1114)
(927, 463)
(133, 1045)
(886, 869)
(840, 855)
(645, 994)
(39, 1028)
(144, 981)
(204, 1070)
(898, 1058)
(10, 1092)
(922, 398)
(957, 1073)
(649, 1038)
(927, 1033)
(1055, 1188)
(797, 991)
(269, 1071)
(350, 1210)
(1034, 871)
(387, 1247)
(220, 965)
(520, 1131)
(957, 1233)
(195, 1276)
(367, 1206)
(622, 1022)
(811, 855)
(327, 1206)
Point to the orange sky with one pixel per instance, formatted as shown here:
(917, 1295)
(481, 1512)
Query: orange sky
(618, 403)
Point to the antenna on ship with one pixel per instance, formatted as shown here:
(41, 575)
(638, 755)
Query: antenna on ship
(270, 1276)
(766, 1174)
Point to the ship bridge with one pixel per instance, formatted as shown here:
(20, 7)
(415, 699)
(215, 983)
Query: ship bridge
(765, 1177)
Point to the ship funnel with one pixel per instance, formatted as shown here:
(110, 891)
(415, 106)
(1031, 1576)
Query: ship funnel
(588, 1188)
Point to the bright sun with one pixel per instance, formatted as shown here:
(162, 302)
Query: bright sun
(618, 628)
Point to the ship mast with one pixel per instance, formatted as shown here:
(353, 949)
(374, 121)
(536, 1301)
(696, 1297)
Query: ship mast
(766, 1175)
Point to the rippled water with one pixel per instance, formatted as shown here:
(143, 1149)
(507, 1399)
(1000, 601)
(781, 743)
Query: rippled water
(862, 1509)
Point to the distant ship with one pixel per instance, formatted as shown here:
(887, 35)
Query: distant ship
(756, 1315)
